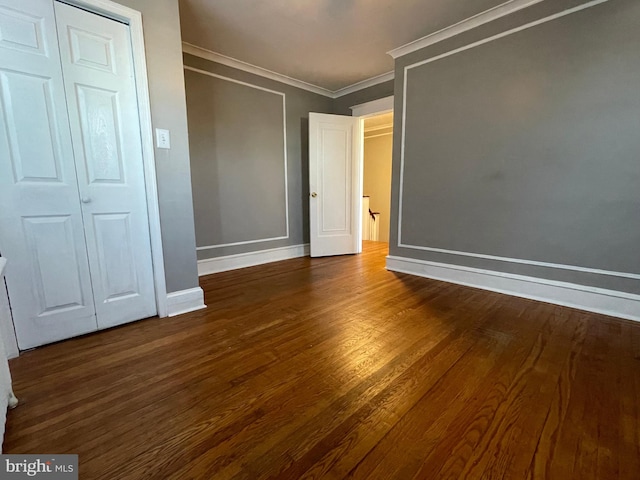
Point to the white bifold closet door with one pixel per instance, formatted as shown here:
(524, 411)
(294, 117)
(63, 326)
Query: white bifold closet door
(41, 228)
(73, 217)
(97, 67)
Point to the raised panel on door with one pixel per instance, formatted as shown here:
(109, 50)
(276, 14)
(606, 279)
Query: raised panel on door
(98, 110)
(54, 254)
(335, 182)
(27, 101)
(41, 228)
(22, 30)
(100, 86)
(116, 258)
(335, 175)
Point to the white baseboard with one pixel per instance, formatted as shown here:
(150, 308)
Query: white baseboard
(185, 301)
(592, 299)
(250, 259)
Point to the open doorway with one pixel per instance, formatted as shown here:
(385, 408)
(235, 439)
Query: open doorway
(377, 131)
(377, 154)
(336, 167)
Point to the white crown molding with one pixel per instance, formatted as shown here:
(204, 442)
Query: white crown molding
(185, 301)
(278, 77)
(592, 299)
(247, 67)
(250, 259)
(370, 82)
(470, 23)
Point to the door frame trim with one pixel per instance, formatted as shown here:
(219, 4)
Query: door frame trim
(133, 19)
(374, 107)
(365, 110)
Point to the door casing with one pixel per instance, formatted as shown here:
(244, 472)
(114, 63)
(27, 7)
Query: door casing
(366, 110)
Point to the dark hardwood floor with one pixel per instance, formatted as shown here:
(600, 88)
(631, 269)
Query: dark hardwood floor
(336, 368)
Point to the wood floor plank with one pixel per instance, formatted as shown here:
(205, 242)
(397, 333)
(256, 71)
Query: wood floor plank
(545, 455)
(470, 429)
(629, 421)
(433, 422)
(337, 368)
(300, 384)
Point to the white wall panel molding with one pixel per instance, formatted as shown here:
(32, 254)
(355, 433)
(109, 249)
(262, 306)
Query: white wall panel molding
(286, 180)
(407, 69)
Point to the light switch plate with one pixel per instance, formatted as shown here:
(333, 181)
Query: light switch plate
(163, 138)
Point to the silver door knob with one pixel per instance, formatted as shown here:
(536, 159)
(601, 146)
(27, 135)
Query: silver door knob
(86, 200)
(314, 194)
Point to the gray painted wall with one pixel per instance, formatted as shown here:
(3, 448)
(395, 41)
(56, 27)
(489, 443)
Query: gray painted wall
(163, 46)
(237, 141)
(526, 147)
(236, 135)
(342, 105)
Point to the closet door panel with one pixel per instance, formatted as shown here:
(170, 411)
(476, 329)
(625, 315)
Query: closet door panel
(41, 225)
(27, 100)
(103, 110)
(58, 286)
(112, 233)
(98, 110)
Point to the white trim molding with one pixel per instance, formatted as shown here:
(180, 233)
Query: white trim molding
(279, 77)
(236, 244)
(286, 166)
(535, 263)
(369, 82)
(470, 23)
(374, 107)
(185, 301)
(578, 8)
(250, 259)
(254, 69)
(133, 18)
(592, 299)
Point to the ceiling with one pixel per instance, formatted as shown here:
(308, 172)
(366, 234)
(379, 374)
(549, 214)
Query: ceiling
(331, 44)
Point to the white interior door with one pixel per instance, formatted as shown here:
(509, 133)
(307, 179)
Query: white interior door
(335, 184)
(97, 66)
(41, 228)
